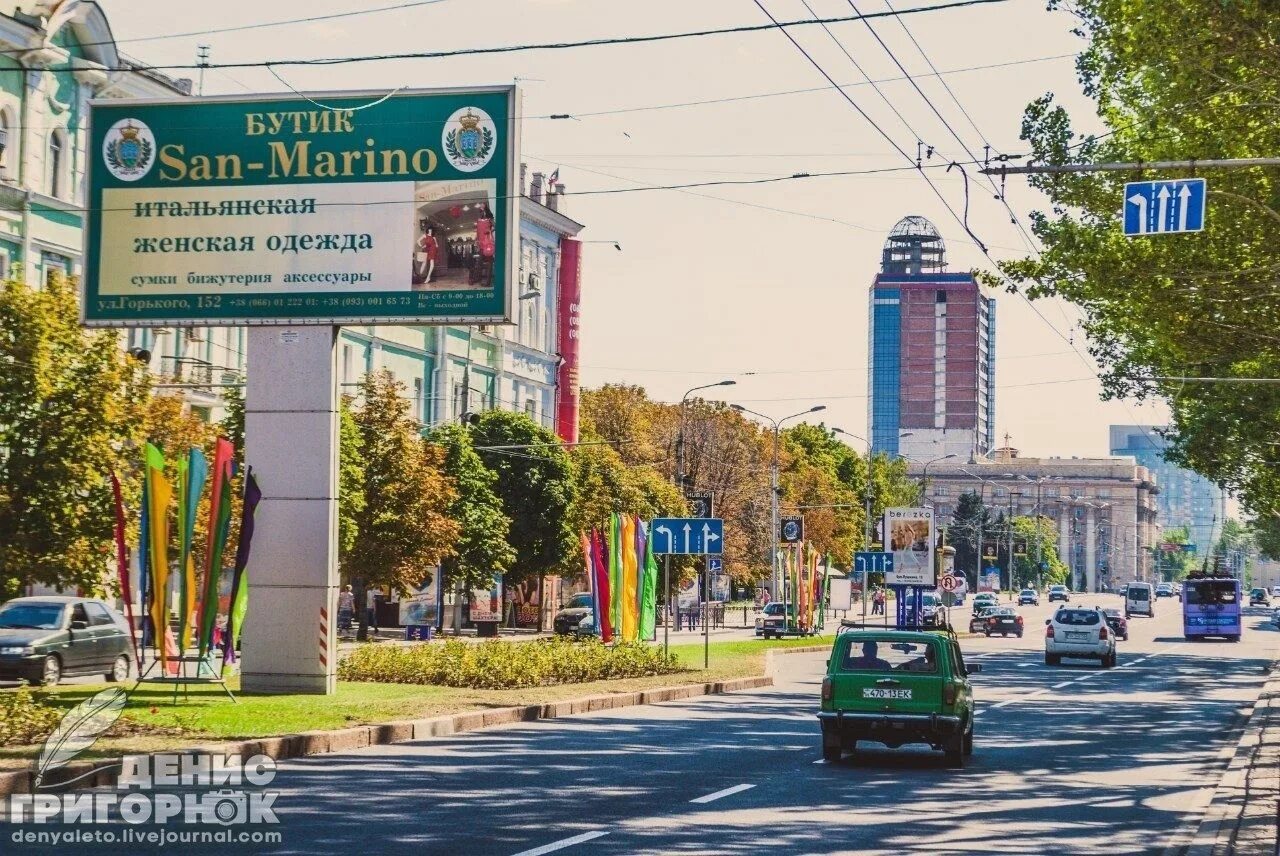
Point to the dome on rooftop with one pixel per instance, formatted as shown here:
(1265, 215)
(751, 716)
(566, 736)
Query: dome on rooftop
(914, 247)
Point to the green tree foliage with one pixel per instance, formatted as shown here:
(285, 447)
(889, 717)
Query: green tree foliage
(351, 475)
(605, 484)
(1174, 80)
(482, 548)
(1041, 536)
(1172, 565)
(404, 529)
(812, 485)
(71, 412)
(536, 486)
(969, 523)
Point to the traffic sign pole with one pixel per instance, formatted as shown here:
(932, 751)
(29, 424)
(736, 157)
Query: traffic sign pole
(706, 617)
(666, 623)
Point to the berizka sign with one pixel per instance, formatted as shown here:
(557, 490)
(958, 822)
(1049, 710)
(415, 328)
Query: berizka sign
(284, 210)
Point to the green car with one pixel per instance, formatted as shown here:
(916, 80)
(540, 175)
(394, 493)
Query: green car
(895, 688)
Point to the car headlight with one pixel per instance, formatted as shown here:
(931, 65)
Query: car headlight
(21, 650)
(587, 621)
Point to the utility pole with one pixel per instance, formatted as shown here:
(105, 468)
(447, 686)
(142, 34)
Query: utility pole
(202, 60)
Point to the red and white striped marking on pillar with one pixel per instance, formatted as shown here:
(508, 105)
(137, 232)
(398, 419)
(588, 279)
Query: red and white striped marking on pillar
(324, 637)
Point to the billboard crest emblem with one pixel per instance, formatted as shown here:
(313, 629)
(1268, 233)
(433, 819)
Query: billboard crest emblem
(469, 139)
(129, 149)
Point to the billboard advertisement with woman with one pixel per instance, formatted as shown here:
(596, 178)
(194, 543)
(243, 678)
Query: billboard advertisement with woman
(910, 539)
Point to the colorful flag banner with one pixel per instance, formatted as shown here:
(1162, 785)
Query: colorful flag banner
(239, 580)
(122, 567)
(144, 556)
(604, 592)
(218, 528)
(649, 591)
(614, 556)
(630, 578)
(192, 473)
(159, 493)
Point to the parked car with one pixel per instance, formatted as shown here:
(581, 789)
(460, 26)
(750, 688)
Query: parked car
(1079, 632)
(931, 610)
(1139, 599)
(1164, 590)
(577, 618)
(1259, 597)
(1118, 623)
(1004, 620)
(895, 688)
(1059, 593)
(978, 621)
(1275, 591)
(44, 639)
(1028, 597)
(772, 620)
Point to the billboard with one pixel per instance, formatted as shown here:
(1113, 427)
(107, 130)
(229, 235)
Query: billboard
(486, 603)
(568, 333)
(910, 538)
(275, 210)
(423, 606)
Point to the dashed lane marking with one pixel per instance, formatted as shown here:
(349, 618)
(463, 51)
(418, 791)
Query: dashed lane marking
(727, 792)
(562, 843)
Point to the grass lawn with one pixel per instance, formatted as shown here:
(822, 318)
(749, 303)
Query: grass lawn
(208, 716)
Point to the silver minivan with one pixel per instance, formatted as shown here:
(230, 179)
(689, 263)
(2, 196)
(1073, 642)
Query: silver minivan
(1139, 599)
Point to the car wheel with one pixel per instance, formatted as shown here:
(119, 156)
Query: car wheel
(831, 750)
(119, 670)
(52, 672)
(988, 634)
(1052, 659)
(954, 749)
(968, 739)
(1019, 635)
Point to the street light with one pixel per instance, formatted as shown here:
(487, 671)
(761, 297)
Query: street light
(680, 485)
(773, 487)
(924, 474)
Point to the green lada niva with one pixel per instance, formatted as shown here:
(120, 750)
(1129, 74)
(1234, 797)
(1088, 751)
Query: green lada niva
(896, 687)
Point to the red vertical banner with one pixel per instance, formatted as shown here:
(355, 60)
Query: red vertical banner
(570, 298)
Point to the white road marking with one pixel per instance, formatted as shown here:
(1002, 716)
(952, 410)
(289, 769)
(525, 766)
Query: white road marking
(725, 793)
(1085, 677)
(561, 844)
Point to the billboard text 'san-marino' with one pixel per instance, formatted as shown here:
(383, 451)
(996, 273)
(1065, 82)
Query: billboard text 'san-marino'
(270, 210)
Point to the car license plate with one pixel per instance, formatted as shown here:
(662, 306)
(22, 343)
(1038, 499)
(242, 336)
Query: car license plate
(870, 692)
(1077, 635)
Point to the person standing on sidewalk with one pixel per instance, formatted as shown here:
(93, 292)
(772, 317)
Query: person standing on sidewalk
(346, 609)
(371, 601)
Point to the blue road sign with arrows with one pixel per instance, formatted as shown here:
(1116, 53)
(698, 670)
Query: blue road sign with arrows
(687, 536)
(1164, 207)
(873, 563)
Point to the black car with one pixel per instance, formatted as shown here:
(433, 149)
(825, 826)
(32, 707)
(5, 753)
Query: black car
(1003, 620)
(569, 621)
(43, 639)
(1118, 623)
(978, 622)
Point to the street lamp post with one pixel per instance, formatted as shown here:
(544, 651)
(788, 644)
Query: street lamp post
(773, 490)
(924, 475)
(679, 476)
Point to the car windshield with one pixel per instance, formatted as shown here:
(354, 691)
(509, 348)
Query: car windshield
(34, 616)
(1209, 592)
(1005, 610)
(1139, 594)
(1057, 588)
(776, 608)
(1112, 613)
(1081, 617)
(1257, 592)
(1027, 591)
(889, 655)
(579, 601)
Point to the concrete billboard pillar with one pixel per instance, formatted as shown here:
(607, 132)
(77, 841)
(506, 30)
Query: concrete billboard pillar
(291, 441)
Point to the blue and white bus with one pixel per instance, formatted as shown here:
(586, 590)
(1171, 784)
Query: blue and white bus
(1211, 607)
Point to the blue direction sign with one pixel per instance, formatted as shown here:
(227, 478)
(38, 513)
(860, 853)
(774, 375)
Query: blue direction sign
(872, 563)
(687, 536)
(715, 565)
(1164, 207)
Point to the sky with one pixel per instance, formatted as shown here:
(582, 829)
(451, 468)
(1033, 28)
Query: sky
(765, 284)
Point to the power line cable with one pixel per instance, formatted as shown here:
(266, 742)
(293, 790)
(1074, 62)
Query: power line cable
(581, 43)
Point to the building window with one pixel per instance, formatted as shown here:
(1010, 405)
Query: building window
(6, 157)
(54, 264)
(346, 364)
(1104, 493)
(1077, 493)
(1001, 493)
(531, 408)
(56, 163)
(1051, 491)
(417, 399)
(942, 490)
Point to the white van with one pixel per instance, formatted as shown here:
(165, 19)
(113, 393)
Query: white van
(1139, 599)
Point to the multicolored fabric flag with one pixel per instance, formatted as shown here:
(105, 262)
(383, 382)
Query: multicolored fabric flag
(218, 527)
(191, 476)
(630, 580)
(159, 493)
(604, 593)
(122, 566)
(144, 556)
(239, 581)
(649, 590)
(614, 556)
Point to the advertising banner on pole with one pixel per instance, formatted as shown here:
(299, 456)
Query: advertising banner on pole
(273, 209)
(910, 537)
(486, 603)
(423, 606)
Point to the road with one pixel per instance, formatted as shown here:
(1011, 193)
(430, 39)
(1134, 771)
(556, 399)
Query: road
(1072, 759)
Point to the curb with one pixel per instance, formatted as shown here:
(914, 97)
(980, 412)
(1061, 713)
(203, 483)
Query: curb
(286, 746)
(1229, 811)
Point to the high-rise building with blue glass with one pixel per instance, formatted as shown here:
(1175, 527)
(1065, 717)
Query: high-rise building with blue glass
(1187, 499)
(932, 352)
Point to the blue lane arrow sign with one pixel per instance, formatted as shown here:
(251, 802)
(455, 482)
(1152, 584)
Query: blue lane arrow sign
(687, 536)
(1164, 207)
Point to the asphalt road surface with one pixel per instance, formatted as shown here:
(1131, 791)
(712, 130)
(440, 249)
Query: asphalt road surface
(1068, 759)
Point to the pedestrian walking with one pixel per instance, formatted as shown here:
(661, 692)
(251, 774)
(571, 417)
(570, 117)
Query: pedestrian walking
(346, 609)
(371, 600)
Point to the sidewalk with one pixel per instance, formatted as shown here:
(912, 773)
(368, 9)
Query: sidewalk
(1242, 818)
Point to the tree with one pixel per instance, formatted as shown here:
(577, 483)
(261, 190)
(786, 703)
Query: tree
(1170, 564)
(1174, 80)
(482, 548)
(811, 484)
(1041, 537)
(71, 412)
(404, 529)
(535, 485)
(968, 525)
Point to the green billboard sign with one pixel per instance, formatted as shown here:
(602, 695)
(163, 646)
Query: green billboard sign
(286, 210)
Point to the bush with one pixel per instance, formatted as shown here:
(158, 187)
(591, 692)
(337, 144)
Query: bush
(26, 718)
(496, 664)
